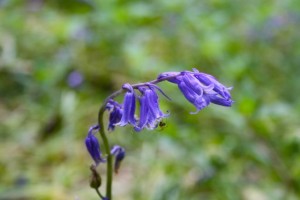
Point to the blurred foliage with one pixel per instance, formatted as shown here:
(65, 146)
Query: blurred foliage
(250, 151)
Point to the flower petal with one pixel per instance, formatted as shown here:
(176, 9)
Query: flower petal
(220, 101)
(144, 110)
(129, 107)
(93, 145)
(119, 153)
(199, 101)
(192, 83)
(219, 88)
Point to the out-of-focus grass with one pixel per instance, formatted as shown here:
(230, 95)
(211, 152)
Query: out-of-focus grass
(250, 151)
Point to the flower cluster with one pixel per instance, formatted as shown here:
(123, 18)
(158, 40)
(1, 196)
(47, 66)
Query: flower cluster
(150, 113)
(93, 148)
(198, 88)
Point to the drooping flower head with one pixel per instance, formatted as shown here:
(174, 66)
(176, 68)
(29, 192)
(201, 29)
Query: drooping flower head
(115, 115)
(93, 145)
(128, 106)
(208, 79)
(150, 113)
(119, 154)
(199, 88)
(193, 91)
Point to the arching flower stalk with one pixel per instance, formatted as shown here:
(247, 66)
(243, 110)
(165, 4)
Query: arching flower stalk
(198, 88)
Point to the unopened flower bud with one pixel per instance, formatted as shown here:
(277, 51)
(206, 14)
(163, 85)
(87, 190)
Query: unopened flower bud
(93, 145)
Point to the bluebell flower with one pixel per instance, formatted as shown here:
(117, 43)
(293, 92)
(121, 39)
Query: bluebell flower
(119, 154)
(150, 113)
(115, 115)
(93, 145)
(199, 88)
(208, 79)
(128, 106)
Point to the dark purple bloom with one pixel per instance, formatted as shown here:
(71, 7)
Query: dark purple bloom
(128, 106)
(119, 154)
(199, 88)
(115, 115)
(93, 145)
(150, 113)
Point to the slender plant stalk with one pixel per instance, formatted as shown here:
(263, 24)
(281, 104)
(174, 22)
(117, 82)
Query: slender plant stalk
(109, 174)
(99, 193)
(107, 151)
(106, 145)
(220, 96)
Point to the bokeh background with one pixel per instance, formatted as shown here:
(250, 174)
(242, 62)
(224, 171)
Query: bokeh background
(60, 59)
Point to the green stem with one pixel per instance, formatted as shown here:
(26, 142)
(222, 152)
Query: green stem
(107, 151)
(99, 193)
(109, 174)
(106, 145)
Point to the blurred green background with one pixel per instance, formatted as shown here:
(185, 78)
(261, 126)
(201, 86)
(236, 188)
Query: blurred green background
(250, 151)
